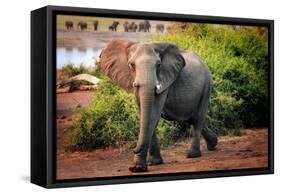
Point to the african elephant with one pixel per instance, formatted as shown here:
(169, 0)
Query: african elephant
(113, 26)
(166, 82)
(133, 27)
(160, 28)
(82, 25)
(141, 27)
(126, 26)
(69, 25)
(95, 25)
(147, 26)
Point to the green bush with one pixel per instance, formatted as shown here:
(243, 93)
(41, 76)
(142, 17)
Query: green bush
(71, 70)
(110, 119)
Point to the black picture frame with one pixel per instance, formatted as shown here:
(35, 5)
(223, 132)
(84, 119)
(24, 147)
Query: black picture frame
(43, 99)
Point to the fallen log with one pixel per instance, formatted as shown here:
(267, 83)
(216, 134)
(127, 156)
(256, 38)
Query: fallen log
(92, 83)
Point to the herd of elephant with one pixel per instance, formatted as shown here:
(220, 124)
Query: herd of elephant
(143, 26)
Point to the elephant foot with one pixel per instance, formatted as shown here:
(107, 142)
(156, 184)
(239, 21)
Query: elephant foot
(211, 144)
(210, 138)
(153, 161)
(194, 154)
(138, 168)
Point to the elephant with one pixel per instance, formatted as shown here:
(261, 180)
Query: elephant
(169, 29)
(133, 27)
(167, 83)
(144, 26)
(147, 26)
(69, 25)
(113, 26)
(141, 27)
(160, 28)
(95, 25)
(126, 26)
(82, 25)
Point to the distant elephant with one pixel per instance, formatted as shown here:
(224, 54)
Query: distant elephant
(169, 29)
(95, 25)
(126, 26)
(69, 25)
(82, 25)
(147, 26)
(113, 26)
(160, 28)
(166, 82)
(133, 27)
(141, 27)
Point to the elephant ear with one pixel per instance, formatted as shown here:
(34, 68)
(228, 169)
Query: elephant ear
(172, 63)
(114, 63)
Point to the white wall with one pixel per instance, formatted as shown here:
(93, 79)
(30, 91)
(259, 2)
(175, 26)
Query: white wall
(15, 94)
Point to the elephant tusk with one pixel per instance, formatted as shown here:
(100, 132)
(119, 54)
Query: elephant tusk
(135, 84)
(158, 87)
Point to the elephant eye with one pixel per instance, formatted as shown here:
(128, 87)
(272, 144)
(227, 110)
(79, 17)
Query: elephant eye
(158, 64)
(131, 66)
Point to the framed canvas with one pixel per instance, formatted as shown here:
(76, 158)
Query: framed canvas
(126, 96)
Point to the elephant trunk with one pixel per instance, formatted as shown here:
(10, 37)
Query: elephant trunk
(146, 99)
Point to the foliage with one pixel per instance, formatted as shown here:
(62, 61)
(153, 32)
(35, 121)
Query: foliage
(110, 119)
(71, 70)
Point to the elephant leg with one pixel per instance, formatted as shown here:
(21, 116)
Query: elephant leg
(146, 140)
(210, 138)
(141, 150)
(154, 156)
(195, 146)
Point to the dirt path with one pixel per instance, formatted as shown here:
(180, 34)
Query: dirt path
(250, 150)
(68, 104)
(247, 151)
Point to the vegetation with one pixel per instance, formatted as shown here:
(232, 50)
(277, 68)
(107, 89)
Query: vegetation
(237, 59)
(71, 70)
(110, 119)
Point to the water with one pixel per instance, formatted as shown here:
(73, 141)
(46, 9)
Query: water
(77, 56)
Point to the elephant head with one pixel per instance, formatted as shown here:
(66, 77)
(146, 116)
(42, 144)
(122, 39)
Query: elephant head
(144, 69)
(134, 66)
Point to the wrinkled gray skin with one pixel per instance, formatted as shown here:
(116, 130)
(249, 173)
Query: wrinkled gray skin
(167, 82)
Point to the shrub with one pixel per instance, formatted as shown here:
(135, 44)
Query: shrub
(71, 70)
(111, 119)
